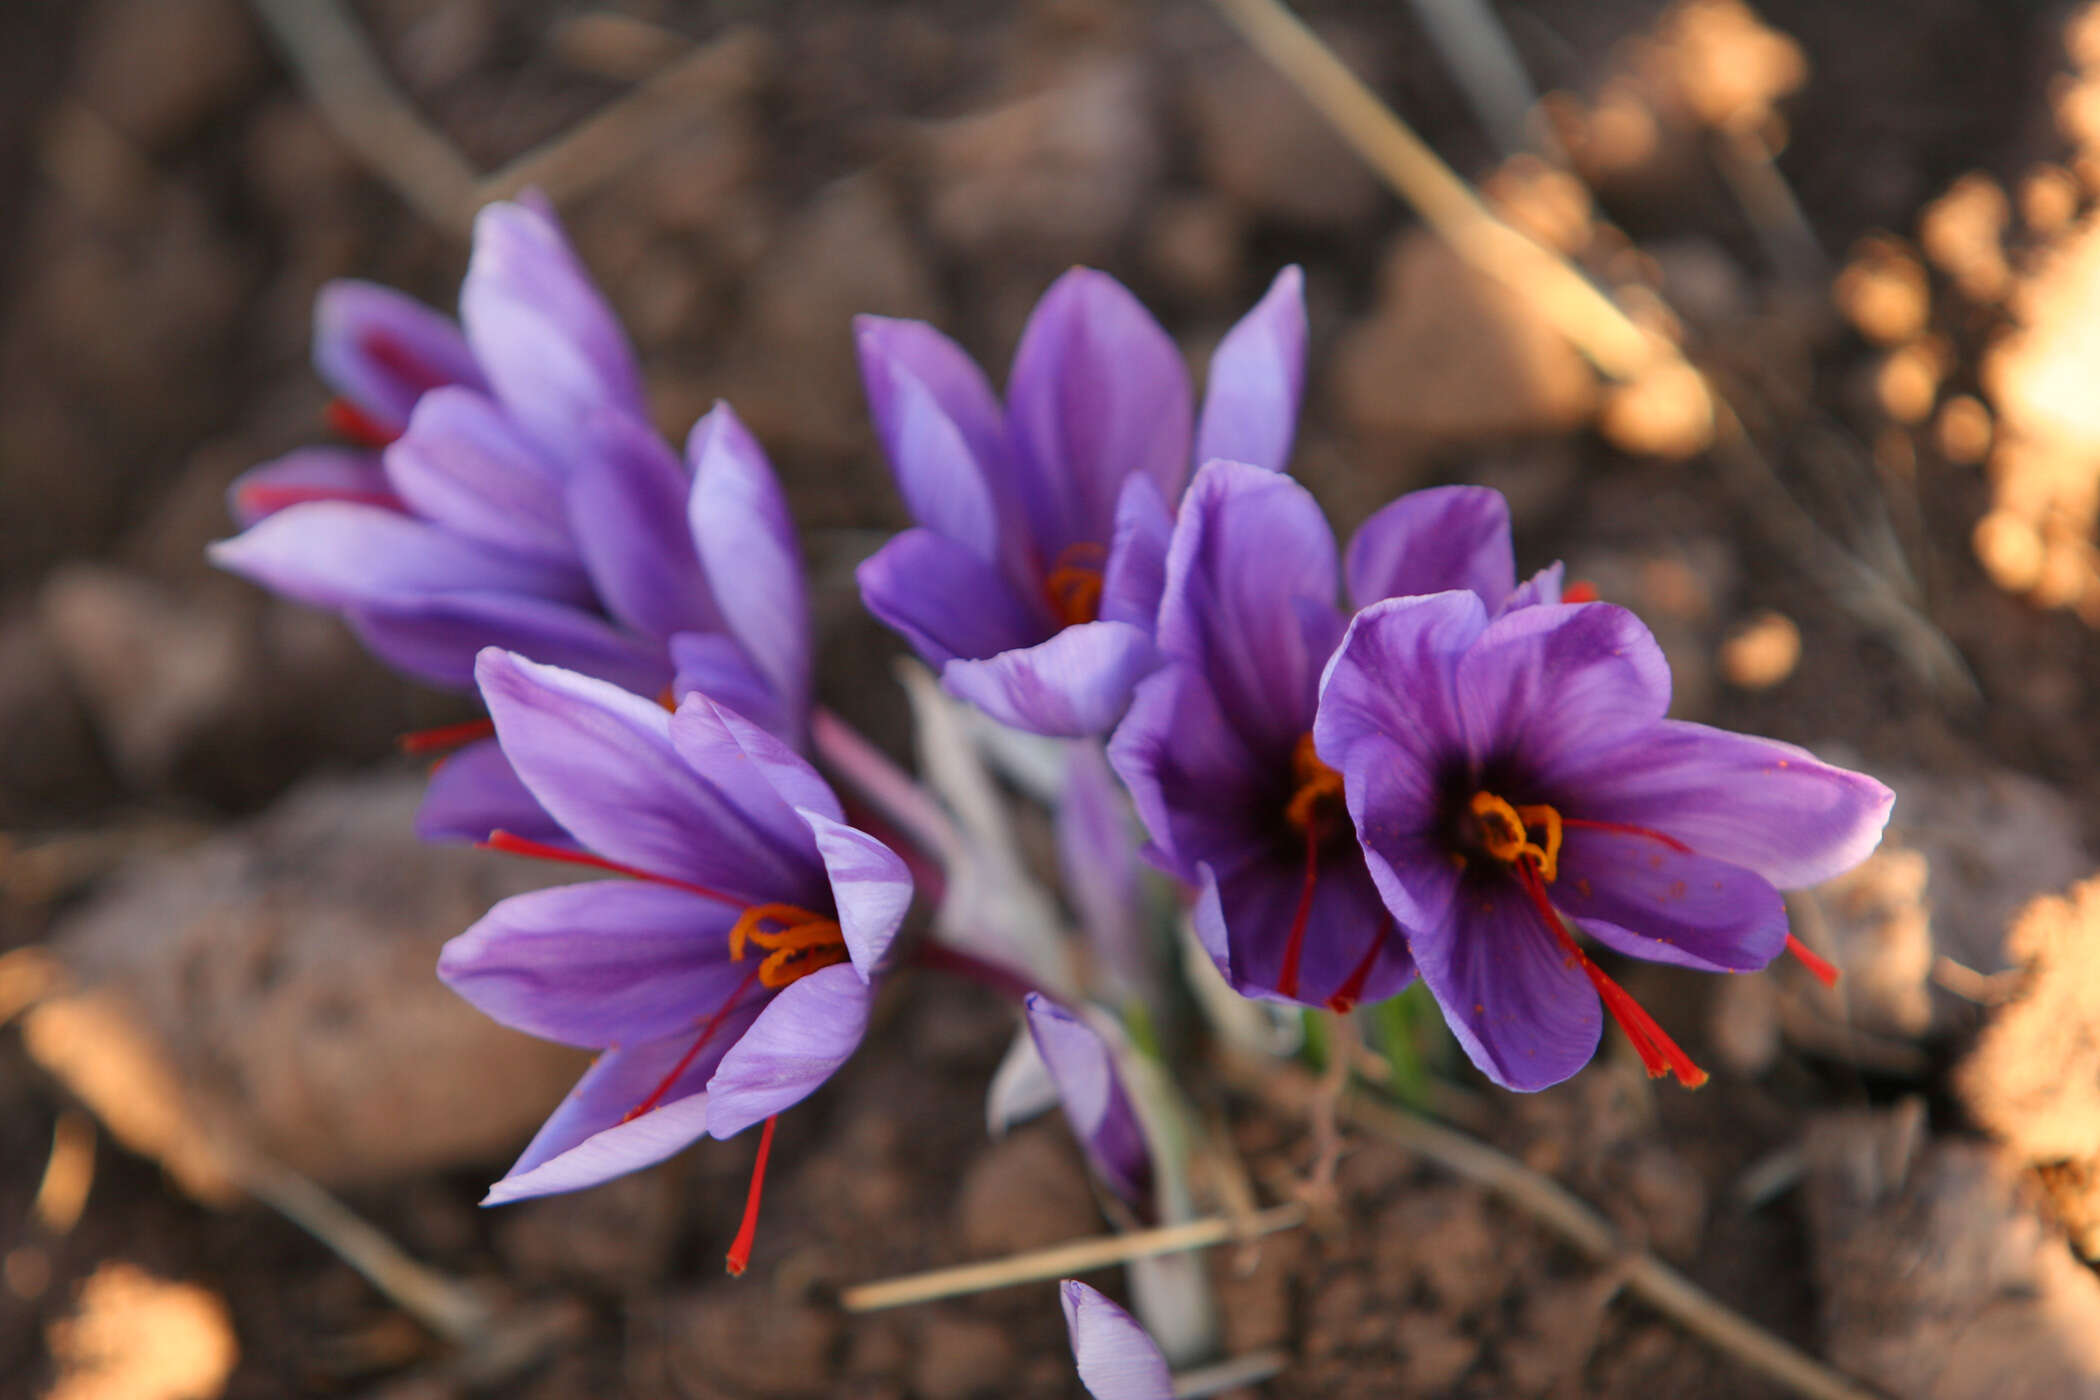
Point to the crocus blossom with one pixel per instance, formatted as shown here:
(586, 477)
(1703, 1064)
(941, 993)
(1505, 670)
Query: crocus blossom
(1508, 775)
(1031, 580)
(723, 982)
(1116, 1359)
(1096, 1105)
(1217, 748)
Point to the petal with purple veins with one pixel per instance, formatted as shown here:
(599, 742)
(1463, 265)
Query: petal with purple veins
(1429, 541)
(475, 791)
(1136, 571)
(627, 506)
(1115, 1357)
(1648, 900)
(1257, 375)
(437, 638)
(464, 465)
(1548, 687)
(870, 885)
(945, 601)
(1521, 1008)
(1095, 1103)
(807, 1031)
(1075, 685)
(746, 543)
(940, 427)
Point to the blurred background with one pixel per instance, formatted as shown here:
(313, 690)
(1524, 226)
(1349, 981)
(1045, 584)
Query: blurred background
(1869, 225)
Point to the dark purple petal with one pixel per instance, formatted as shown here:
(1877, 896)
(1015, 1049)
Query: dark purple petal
(1098, 394)
(712, 664)
(797, 1043)
(947, 602)
(602, 762)
(1766, 806)
(589, 1139)
(940, 426)
(1136, 571)
(746, 540)
(1258, 904)
(1257, 375)
(306, 475)
(336, 554)
(1523, 1010)
(1073, 686)
(551, 348)
(1431, 541)
(1251, 556)
(627, 506)
(870, 884)
(475, 791)
(464, 465)
(382, 350)
(1201, 793)
(438, 637)
(601, 963)
(1116, 1359)
(1547, 687)
(1639, 896)
(1095, 1103)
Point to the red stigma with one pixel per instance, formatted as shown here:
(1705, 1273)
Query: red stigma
(1352, 989)
(739, 1257)
(399, 361)
(1580, 591)
(1824, 972)
(446, 736)
(262, 499)
(1294, 946)
(351, 423)
(539, 850)
(707, 1033)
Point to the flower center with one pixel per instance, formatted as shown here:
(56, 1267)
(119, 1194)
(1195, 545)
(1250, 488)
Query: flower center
(1316, 795)
(1073, 585)
(797, 942)
(1316, 811)
(1505, 832)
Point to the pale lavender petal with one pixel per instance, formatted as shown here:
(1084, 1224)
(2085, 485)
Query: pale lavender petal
(746, 541)
(947, 602)
(1257, 376)
(310, 474)
(1095, 1103)
(1116, 1359)
(1097, 860)
(1547, 687)
(1098, 394)
(1521, 1007)
(1542, 587)
(1136, 571)
(627, 506)
(338, 554)
(940, 427)
(797, 1043)
(438, 637)
(382, 350)
(870, 884)
(1251, 553)
(1636, 894)
(1766, 806)
(1073, 686)
(596, 964)
(768, 781)
(712, 664)
(1199, 790)
(1430, 541)
(551, 348)
(464, 465)
(475, 791)
(602, 762)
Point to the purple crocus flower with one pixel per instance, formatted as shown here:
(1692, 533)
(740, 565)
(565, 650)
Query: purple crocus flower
(724, 982)
(1510, 774)
(1116, 1359)
(1217, 749)
(1095, 1103)
(1032, 578)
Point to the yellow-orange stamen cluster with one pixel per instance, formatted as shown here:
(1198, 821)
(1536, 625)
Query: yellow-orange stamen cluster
(1073, 585)
(1318, 786)
(1505, 833)
(797, 942)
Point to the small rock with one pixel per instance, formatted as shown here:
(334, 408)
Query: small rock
(960, 1358)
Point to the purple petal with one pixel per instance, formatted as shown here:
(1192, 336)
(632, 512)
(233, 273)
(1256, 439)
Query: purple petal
(335, 554)
(437, 638)
(1251, 556)
(1073, 686)
(1097, 859)
(796, 1044)
(1116, 1359)
(870, 884)
(1542, 587)
(1257, 375)
(550, 346)
(475, 791)
(945, 601)
(712, 664)
(1769, 807)
(1098, 394)
(1198, 788)
(603, 763)
(1431, 541)
(746, 540)
(1136, 572)
(627, 505)
(940, 427)
(464, 465)
(589, 1139)
(306, 475)
(1258, 904)
(382, 350)
(1525, 1013)
(597, 964)
(1548, 687)
(1095, 1103)
(1638, 895)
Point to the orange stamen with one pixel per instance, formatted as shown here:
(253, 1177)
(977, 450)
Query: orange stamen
(446, 736)
(1352, 990)
(1824, 972)
(707, 1032)
(740, 1248)
(1318, 786)
(1073, 585)
(1505, 832)
(803, 942)
(540, 850)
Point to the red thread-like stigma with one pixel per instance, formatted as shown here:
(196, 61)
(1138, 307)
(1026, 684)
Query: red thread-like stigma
(351, 423)
(740, 1248)
(540, 850)
(1824, 972)
(446, 736)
